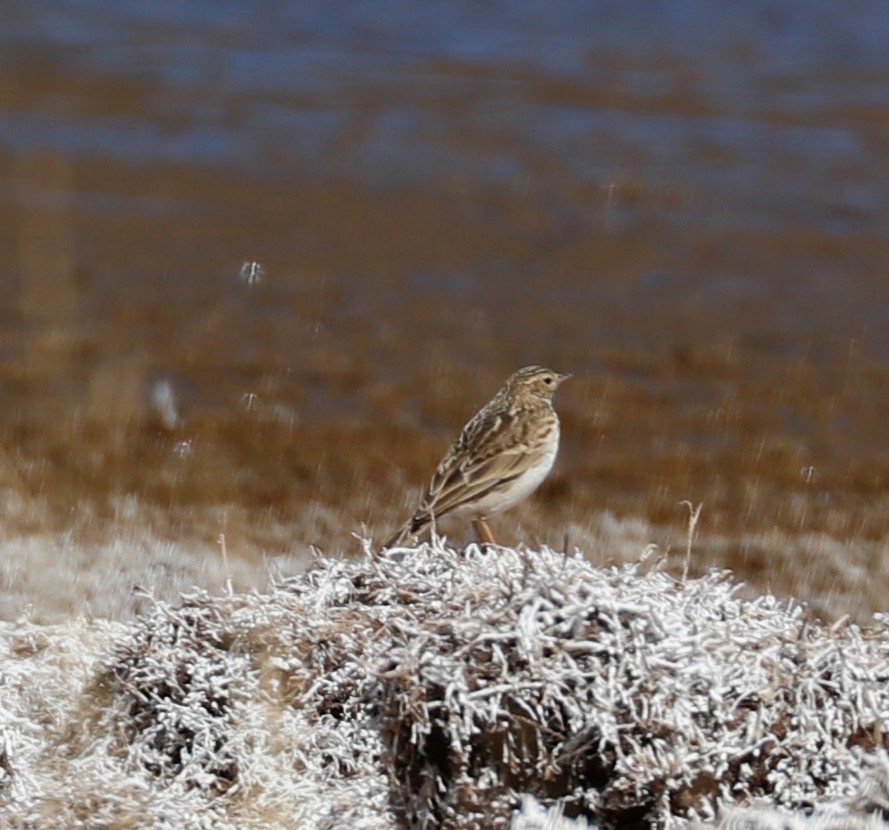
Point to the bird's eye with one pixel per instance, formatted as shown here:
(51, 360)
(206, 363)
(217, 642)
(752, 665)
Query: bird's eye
(548, 380)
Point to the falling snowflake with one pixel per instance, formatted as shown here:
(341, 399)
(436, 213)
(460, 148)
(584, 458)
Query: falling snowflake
(252, 272)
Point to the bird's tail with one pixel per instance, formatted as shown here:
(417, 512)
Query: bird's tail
(412, 527)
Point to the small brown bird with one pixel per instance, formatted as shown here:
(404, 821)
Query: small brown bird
(501, 457)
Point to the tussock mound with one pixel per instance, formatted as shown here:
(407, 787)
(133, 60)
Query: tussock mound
(430, 687)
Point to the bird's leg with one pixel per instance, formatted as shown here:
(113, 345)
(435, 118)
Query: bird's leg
(483, 532)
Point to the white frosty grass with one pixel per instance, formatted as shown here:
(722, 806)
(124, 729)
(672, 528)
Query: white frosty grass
(431, 687)
(50, 578)
(92, 569)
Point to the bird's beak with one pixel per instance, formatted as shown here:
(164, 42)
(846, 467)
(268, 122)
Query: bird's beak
(564, 376)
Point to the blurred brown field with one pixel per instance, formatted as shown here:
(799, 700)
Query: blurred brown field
(336, 382)
(726, 336)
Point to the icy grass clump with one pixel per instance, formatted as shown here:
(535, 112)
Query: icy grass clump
(631, 699)
(439, 688)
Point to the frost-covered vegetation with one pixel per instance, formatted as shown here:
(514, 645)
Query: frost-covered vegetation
(434, 687)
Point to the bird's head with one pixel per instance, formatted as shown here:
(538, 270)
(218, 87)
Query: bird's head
(535, 380)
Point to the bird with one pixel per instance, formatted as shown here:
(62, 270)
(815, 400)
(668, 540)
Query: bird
(502, 455)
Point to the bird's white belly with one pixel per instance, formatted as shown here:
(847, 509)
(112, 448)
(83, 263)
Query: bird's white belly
(515, 491)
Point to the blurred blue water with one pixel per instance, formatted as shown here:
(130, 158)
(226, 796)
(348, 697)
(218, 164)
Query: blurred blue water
(401, 90)
(759, 115)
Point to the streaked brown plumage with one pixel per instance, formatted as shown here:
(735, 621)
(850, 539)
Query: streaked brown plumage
(502, 455)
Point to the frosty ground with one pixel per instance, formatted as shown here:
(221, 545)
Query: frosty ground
(444, 687)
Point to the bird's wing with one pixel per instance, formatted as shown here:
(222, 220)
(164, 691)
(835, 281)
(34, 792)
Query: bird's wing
(453, 487)
(479, 462)
(467, 483)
